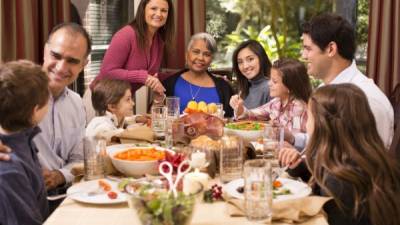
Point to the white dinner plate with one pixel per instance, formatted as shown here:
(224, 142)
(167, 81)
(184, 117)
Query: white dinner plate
(79, 192)
(298, 189)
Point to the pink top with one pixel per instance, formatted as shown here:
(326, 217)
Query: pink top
(292, 116)
(125, 61)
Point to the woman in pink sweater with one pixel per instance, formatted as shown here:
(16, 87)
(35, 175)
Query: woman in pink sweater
(135, 52)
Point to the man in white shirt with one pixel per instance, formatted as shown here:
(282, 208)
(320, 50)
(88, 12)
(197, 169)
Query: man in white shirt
(60, 142)
(328, 50)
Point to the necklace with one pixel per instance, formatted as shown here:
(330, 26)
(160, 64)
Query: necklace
(191, 92)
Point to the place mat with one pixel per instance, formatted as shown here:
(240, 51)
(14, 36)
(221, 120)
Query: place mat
(305, 211)
(137, 133)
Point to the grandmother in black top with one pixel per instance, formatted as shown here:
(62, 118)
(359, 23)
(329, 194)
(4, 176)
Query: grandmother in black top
(196, 82)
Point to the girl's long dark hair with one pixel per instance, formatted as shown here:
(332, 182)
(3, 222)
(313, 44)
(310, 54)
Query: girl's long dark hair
(265, 65)
(139, 24)
(346, 145)
(294, 77)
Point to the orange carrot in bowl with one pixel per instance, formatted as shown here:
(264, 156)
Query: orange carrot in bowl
(141, 155)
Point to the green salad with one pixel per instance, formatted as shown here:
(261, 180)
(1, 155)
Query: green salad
(245, 125)
(158, 207)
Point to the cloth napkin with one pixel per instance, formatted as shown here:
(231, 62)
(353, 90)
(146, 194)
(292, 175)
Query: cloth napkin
(136, 133)
(305, 211)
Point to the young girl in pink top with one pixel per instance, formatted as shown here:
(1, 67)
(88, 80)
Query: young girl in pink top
(290, 86)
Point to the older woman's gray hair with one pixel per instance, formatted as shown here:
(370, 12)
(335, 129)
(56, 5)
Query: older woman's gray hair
(210, 41)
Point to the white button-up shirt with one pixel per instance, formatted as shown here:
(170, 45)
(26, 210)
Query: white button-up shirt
(377, 100)
(60, 142)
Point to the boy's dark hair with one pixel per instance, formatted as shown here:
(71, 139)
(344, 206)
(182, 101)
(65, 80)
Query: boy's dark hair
(108, 91)
(74, 28)
(294, 77)
(329, 27)
(23, 85)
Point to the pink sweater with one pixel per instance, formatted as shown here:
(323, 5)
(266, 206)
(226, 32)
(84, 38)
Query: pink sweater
(124, 61)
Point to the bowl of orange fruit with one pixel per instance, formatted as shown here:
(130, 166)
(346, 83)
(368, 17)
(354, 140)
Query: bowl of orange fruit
(202, 106)
(136, 161)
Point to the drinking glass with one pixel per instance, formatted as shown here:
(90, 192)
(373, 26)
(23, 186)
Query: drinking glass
(158, 120)
(270, 142)
(172, 103)
(169, 138)
(258, 190)
(93, 158)
(173, 112)
(231, 158)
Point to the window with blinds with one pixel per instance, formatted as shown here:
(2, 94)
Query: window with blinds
(102, 19)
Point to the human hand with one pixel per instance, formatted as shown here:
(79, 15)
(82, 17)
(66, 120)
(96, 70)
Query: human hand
(52, 178)
(289, 157)
(143, 119)
(4, 152)
(154, 84)
(158, 98)
(237, 104)
(108, 134)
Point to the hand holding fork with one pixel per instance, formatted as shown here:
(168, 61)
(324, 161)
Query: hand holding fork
(236, 102)
(289, 158)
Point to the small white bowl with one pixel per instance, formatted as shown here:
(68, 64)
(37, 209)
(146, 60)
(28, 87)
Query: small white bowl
(133, 168)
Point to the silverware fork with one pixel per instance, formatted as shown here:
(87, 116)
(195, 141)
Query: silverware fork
(278, 172)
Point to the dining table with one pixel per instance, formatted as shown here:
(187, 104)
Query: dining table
(72, 212)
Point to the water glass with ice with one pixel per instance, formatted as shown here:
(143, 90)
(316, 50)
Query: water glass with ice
(173, 106)
(173, 111)
(258, 190)
(158, 120)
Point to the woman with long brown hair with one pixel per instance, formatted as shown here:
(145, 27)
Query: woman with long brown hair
(136, 50)
(347, 159)
(252, 67)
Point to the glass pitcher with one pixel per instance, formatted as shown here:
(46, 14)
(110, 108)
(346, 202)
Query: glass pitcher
(231, 158)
